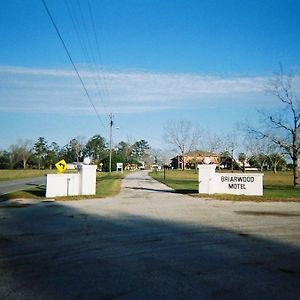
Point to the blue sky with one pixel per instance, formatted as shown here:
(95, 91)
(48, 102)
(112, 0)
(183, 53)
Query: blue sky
(151, 61)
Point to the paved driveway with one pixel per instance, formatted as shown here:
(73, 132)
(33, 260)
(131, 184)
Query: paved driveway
(20, 184)
(149, 243)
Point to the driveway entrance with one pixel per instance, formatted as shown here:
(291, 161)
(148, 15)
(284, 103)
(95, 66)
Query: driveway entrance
(149, 243)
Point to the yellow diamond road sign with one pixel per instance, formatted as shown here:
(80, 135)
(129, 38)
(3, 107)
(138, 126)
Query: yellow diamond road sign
(61, 166)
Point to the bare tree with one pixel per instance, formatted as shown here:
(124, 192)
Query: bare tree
(25, 148)
(14, 155)
(77, 145)
(243, 160)
(231, 143)
(282, 127)
(259, 149)
(21, 152)
(181, 135)
(276, 159)
(160, 156)
(215, 144)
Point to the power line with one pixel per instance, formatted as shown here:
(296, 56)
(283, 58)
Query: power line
(80, 25)
(72, 62)
(97, 50)
(84, 48)
(85, 23)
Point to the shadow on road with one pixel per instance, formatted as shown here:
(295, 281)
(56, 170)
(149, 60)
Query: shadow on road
(58, 251)
(178, 191)
(151, 189)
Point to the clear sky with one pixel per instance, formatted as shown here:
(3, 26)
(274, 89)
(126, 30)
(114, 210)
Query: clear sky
(146, 61)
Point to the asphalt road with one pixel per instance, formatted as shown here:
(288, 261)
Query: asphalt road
(149, 243)
(20, 184)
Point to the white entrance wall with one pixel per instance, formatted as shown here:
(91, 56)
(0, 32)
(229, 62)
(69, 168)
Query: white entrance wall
(206, 177)
(211, 182)
(62, 185)
(87, 179)
(82, 183)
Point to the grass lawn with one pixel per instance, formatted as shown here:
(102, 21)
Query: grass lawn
(277, 187)
(19, 174)
(106, 186)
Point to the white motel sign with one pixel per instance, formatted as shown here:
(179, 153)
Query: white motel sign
(211, 182)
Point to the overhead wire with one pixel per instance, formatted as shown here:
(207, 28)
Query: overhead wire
(84, 40)
(98, 50)
(72, 62)
(77, 30)
(94, 63)
(87, 53)
(82, 23)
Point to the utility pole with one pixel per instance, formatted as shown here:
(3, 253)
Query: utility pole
(110, 140)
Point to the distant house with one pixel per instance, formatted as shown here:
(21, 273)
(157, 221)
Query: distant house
(191, 159)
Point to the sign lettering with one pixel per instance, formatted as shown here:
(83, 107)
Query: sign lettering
(237, 186)
(211, 182)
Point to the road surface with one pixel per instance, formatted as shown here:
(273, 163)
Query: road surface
(20, 184)
(149, 243)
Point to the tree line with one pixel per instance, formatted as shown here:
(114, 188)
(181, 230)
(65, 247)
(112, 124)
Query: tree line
(43, 155)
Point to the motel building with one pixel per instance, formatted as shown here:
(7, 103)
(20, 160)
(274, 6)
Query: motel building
(191, 159)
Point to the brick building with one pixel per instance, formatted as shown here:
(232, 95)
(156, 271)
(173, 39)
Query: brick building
(192, 158)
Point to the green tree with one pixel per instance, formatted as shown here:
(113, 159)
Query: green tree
(95, 148)
(52, 156)
(67, 153)
(253, 162)
(125, 150)
(227, 161)
(4, 159)
(116, 158)
(139, 149)
(40, 150)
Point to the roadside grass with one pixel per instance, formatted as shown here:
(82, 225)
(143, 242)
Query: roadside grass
(277, 187)
(20, 174)
(36, 192)
(106, 186)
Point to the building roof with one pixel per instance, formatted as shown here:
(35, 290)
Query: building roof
(200, 153)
